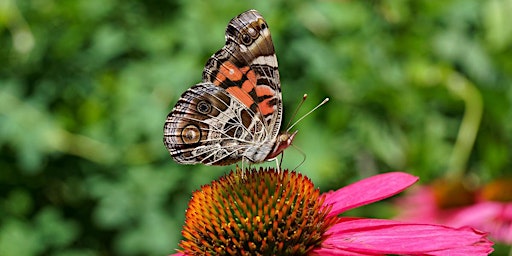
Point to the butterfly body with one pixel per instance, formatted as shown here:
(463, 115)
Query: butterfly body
(235, 114)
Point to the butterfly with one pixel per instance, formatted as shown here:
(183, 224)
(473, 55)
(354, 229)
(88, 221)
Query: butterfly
(235, 113)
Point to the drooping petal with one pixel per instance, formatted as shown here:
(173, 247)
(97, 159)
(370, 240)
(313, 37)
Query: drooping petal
(178, 254)
(375, 236)
(493, 217)
(484, 210)
(367, 191)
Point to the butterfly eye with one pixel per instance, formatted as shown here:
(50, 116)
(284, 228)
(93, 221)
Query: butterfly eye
(252, 32)
(204, 107)
(246, 39)
(191, 134)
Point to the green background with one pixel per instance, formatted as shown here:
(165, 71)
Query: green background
(85, 87)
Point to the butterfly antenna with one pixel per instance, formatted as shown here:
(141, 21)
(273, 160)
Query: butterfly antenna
(311, 111)
(297, 110)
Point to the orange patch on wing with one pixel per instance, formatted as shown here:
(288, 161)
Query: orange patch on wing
(265, 107)
(247, 86)
(219, 79)
(244, 69)
(241, 95)
(230, 71)
(251, 76)
(250, 83)
(264, 90)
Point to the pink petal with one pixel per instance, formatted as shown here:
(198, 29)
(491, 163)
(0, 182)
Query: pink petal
(375, 236)
(335, 252)
(367, 191)
(483, 211)
(493, 217)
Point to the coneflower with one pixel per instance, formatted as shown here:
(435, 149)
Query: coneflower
(282, 213)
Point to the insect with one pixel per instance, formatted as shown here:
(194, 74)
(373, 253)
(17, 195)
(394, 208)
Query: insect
(235, 113)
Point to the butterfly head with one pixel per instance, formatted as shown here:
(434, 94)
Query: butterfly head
(283, 141)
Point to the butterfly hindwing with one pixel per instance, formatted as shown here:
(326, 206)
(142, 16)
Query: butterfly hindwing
(208, 126)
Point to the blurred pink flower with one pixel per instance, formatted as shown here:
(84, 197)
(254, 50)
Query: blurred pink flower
(486, 210)
(343, 236)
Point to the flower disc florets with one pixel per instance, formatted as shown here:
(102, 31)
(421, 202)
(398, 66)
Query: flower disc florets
(263, 213)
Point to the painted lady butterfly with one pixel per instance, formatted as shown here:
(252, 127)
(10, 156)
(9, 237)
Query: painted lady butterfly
(235, 113)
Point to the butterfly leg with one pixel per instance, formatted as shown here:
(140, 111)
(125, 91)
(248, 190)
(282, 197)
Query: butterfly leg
(278, 165)
(243, 170)
(245, 160)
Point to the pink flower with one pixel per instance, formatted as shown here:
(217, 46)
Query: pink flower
(270, 213)
(486, 210)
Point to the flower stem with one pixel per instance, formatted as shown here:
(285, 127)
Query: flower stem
(463, 88)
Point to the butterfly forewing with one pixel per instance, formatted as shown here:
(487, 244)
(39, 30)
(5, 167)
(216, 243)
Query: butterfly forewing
(247, 67)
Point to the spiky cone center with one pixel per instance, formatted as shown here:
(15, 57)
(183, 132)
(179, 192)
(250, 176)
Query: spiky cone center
(263, 213)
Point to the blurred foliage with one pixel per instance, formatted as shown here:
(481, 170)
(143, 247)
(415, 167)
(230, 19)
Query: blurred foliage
(85, 87)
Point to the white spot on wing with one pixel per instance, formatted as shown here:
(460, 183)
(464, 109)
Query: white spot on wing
(266, 60)
(243, 48)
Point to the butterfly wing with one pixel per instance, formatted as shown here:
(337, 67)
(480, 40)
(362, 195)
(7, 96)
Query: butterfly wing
(247, 68)
(236, 112)
(206, 127)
